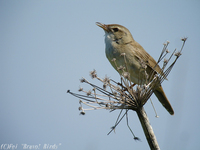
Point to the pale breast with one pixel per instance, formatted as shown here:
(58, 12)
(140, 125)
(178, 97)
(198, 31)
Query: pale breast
(132, 65)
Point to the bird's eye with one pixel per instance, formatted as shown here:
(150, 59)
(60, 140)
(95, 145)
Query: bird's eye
(115, 29)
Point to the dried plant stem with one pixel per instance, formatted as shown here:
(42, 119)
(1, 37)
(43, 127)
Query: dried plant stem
(148, 130)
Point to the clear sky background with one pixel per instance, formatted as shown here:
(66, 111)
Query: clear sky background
(47, 46)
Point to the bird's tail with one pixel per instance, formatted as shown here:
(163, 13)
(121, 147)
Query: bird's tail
(160, 94)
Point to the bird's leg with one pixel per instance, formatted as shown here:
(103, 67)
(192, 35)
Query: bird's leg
(124, 88)
(132, 85)
(121, 84)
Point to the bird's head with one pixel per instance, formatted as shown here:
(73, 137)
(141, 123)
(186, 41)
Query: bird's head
(117, 33)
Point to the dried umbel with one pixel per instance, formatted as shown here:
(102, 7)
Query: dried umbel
(121, 95)
(112, 95)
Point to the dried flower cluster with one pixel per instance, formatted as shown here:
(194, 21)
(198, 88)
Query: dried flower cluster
(112, 95)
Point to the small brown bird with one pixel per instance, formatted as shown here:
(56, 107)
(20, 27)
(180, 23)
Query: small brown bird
(119, 40)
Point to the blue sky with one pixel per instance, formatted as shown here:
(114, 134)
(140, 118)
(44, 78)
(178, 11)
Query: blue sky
(47, 46)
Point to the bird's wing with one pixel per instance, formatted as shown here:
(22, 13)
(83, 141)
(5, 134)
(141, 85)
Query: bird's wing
(144, 56)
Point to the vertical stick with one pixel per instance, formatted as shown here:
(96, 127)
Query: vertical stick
(148, 130)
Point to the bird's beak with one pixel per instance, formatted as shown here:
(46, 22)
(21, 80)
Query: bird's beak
(103, 26)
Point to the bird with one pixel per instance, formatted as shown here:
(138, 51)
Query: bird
(118, 41)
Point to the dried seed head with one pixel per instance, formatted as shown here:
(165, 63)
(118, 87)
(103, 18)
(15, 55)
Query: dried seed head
(106, 80)
(167, 51)
(143, 65)
(177, 54)
(184, 39)
(121, 67)
(126, 75)
(82, 113)
(118, 88)
(165, 60)
(137, 139)
(114, 59)
(123, 54)
(80, 89)
(104, 86)
(80, 108)
(107, 105)
(82, 80)
(89, 93)
(93, 74)
(115, 93)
